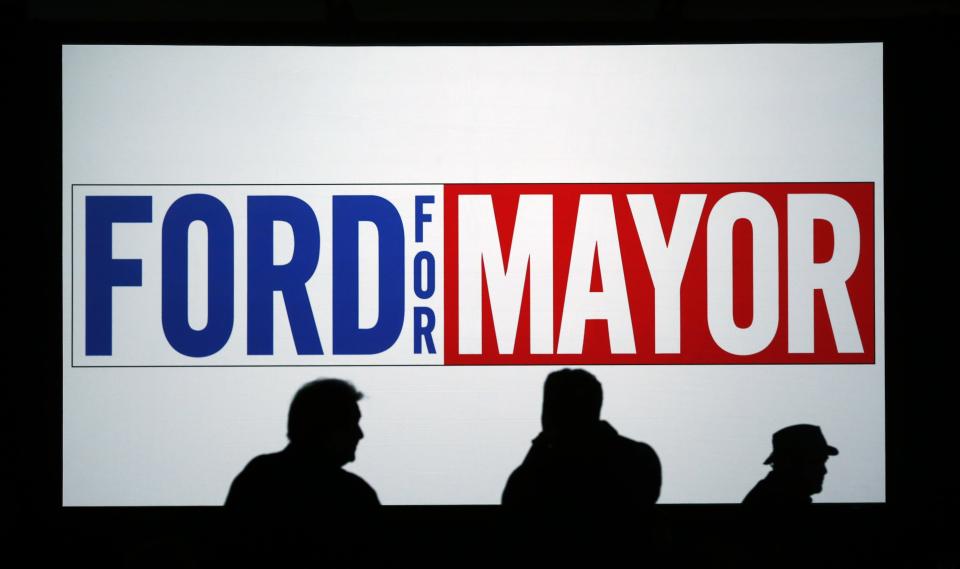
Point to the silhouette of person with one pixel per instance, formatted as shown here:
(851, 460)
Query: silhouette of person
(799, 459)
(323, 427)
(579, 460)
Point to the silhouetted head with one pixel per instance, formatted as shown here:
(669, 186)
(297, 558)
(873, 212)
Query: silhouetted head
(800, 452)
(571, 402)
(324, 420)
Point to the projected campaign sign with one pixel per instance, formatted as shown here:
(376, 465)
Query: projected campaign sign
(476, 274)
(699, 226)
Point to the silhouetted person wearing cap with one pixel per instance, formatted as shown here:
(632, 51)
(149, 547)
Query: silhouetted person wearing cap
(323, 427)
(799, 458)
(579, 460)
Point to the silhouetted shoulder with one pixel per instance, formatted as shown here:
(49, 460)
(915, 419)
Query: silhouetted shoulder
(604, 470)
(638, 461)
(249, 488)
(639, 450)
(518, 490)
(281, 481)
(358, 487)
(771, 492)
(265, 462)
(265, 465)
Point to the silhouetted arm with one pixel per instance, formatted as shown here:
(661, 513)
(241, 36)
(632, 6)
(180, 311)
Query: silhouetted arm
(656, 475)
(648, 474)
(512, 491)
(246, 491)
(366, 496)
(237, 495)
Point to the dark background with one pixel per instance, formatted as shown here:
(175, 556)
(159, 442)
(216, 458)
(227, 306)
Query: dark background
(916, 528)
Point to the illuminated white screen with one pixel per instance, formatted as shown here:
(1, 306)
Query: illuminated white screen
(147, 424)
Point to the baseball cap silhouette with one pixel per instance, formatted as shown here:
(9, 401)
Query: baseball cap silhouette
(800, 440)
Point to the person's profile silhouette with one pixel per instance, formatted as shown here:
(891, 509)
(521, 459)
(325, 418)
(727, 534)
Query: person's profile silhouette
(323, 427)
(799, 458)
(579, 460)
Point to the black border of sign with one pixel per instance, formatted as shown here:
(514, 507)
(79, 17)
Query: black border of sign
(73, 209)
(906, 164)
(920, 122)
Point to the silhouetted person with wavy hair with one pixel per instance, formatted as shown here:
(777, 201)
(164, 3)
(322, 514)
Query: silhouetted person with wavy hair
(799, 460)
(579, 460)
(307, 476)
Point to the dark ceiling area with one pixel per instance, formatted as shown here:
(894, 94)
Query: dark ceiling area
(389, 11)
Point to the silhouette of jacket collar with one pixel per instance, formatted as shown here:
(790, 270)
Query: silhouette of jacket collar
(309, 458)
(601, 431)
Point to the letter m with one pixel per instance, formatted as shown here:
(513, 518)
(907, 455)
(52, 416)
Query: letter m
(480, 252)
